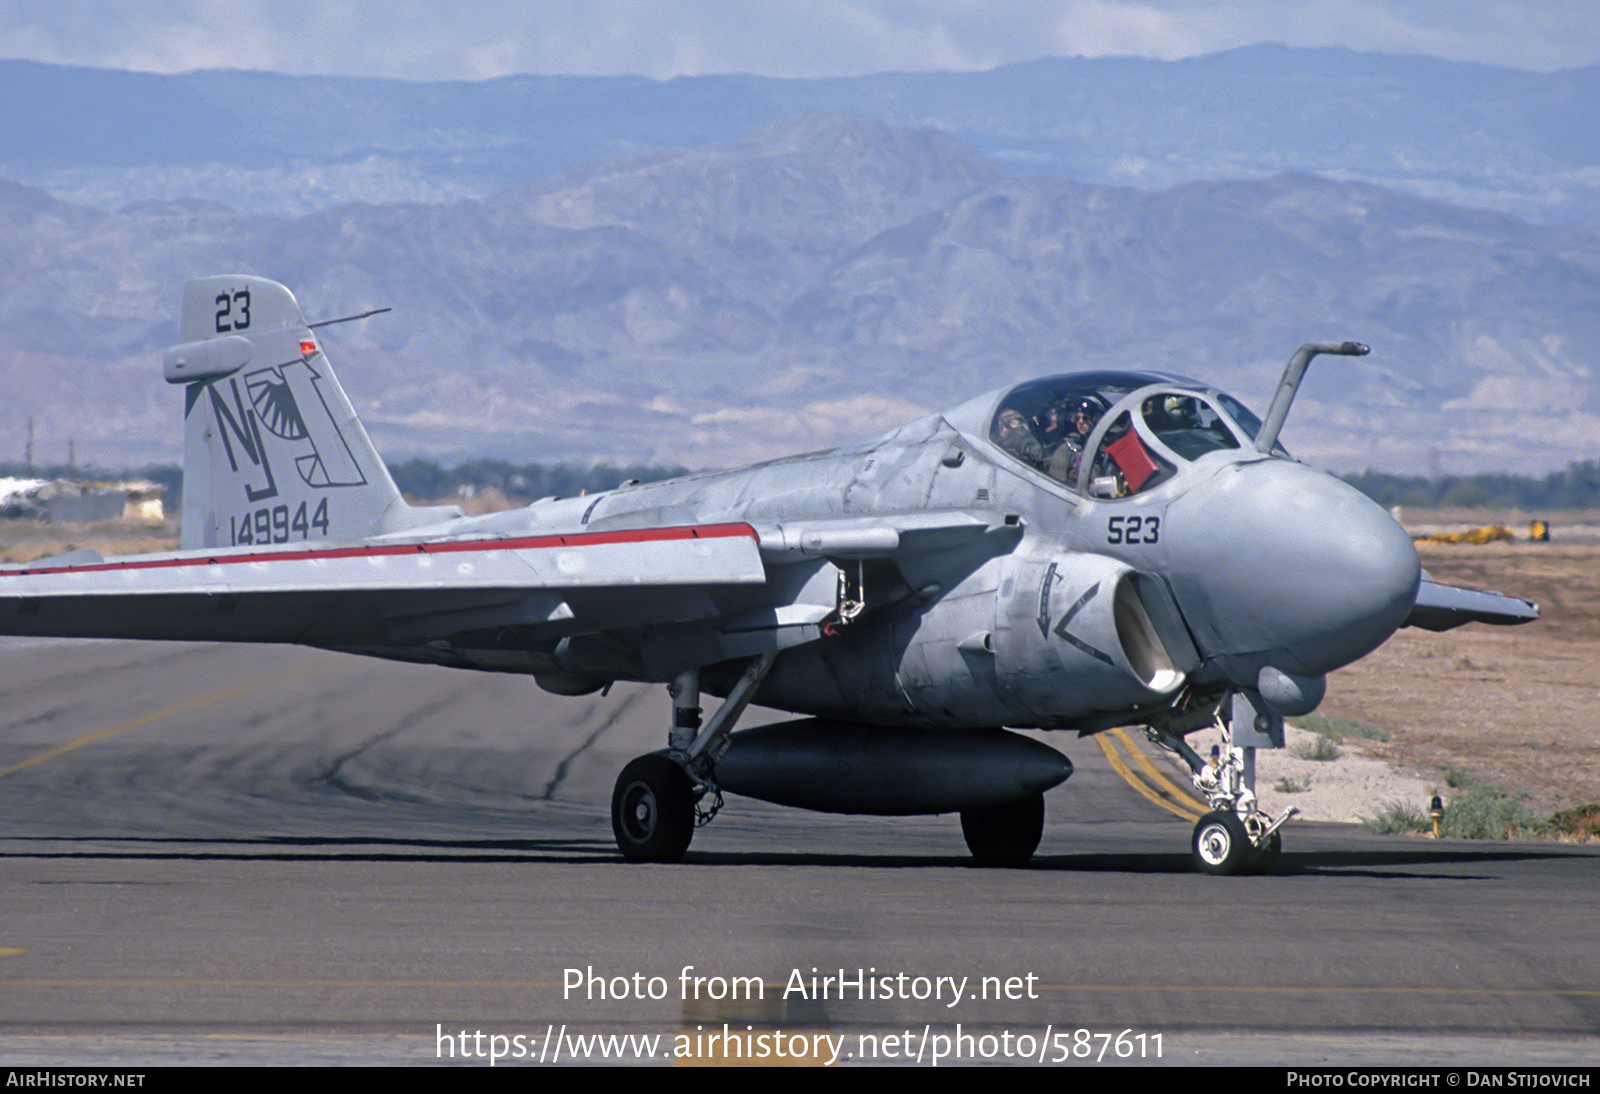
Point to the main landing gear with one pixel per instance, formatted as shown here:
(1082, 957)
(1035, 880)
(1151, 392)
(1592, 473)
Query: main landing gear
(655, 806)
(1004, 835)
(652, 810)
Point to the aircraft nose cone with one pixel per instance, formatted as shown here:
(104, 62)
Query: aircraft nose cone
(1285, 566)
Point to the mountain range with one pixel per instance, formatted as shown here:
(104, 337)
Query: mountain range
(815, 279)
(1522, 142)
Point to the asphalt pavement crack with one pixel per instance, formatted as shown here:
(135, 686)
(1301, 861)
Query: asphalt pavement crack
(334, 775)
(565, 765)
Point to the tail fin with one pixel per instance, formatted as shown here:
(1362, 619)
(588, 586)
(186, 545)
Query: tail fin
(273, 451)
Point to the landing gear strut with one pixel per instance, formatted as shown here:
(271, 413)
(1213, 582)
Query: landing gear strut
(653, 808)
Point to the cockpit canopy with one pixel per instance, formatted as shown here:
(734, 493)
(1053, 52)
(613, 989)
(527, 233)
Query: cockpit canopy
(1115, 434)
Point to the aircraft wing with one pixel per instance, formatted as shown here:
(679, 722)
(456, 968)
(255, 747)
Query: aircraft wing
(385, 592)
(1441, 607)
(411, 598)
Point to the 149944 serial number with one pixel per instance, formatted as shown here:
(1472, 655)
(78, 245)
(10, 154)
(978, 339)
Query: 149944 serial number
(278, 524)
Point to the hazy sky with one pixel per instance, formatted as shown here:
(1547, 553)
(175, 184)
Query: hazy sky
(460, 39)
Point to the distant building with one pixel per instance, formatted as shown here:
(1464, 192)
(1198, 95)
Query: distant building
(67, 502)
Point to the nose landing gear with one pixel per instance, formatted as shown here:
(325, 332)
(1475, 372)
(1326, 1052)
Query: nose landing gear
(1222, 844)
(1236, 837)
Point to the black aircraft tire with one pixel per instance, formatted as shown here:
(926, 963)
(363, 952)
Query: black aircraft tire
(652, 811)
(1220, 844)
(1004, 835)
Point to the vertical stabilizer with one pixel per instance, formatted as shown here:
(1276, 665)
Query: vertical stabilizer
(273, 451)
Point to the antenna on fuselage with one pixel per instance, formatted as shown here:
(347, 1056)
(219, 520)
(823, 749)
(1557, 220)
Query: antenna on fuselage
(1289, 383)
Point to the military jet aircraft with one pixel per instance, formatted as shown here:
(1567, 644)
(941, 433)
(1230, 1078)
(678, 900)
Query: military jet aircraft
(1075, 553)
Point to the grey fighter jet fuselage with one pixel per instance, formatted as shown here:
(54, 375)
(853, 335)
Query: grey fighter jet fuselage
(1074, 553)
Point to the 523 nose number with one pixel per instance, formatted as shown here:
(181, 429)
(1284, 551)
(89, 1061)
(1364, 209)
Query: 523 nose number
(1133, 530)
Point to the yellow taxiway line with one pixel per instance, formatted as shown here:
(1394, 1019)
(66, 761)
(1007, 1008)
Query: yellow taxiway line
(193, 703)
(1159, 789)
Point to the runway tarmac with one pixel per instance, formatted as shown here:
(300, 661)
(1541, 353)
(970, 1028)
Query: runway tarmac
(230, 855)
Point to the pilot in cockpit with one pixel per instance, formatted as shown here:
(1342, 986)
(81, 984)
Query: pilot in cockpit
(1016, 437)
(1080, 416)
